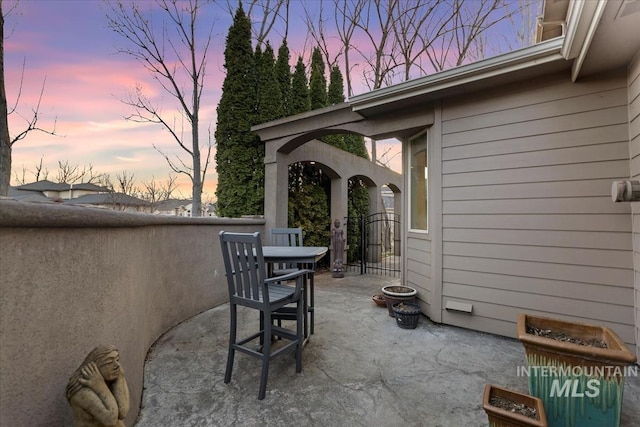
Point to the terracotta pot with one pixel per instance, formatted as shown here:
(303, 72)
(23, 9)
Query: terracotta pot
(379, 299)
(499, 417)
(580, 385)
(394, 294)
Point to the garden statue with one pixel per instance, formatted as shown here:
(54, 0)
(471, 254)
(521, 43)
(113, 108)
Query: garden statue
(97, 391)
(337, 249)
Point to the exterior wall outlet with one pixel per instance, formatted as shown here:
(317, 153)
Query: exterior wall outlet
(625, 191)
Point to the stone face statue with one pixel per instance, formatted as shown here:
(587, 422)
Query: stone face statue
(97, 391)
(337, 248)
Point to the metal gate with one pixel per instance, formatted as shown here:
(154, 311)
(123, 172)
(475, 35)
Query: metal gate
(374, 244)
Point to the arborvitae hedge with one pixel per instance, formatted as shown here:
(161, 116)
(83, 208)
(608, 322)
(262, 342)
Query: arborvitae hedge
(283, 75)
(238, 149)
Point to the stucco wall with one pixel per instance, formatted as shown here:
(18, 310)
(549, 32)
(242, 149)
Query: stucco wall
(634, 154)
(73, 278)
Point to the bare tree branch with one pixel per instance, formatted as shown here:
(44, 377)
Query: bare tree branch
(180, 74)
(155, 192)
(70, 173)
(6, 140)
(316, 28)
(347, 15)
(265, 14)
(270, 13)
(32, 122)
(126, 183)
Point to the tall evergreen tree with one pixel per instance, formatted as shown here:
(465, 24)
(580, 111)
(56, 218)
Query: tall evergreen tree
(268, 108)
(238, 149)
(283, 75)
(335, 93)
(269, 94)
(317, 81)
(299, 96)
(298, 103)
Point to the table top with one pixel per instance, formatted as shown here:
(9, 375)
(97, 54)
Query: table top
(301, 254)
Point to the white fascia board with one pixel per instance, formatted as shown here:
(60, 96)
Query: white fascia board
(586, 43)
(574, 14)
(541, 53)
(583, 18)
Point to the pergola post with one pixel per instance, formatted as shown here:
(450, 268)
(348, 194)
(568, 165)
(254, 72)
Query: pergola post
(276, 190)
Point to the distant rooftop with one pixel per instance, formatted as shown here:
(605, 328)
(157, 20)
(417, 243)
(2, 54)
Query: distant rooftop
(46, 185)
(107, 199)
(171, 204)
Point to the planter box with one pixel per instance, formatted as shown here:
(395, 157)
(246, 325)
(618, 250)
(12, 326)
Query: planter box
(499, 417)
(580, 385)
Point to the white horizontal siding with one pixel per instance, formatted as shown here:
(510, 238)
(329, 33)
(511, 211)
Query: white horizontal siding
(564, 205)
(570, 138)
(418, 269)
(539, 286)
(613, 169)
(560, 156)
(531, 190)
(633, 96)
(585, 120)
(550, 304)
(528, 222)
(492, 317)
(566, 222)
(614, 277)
(541, 90)
(532, 112)
(559, 238)
(608, 258)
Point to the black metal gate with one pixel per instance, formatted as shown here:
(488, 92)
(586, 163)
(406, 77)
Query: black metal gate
(374, 244)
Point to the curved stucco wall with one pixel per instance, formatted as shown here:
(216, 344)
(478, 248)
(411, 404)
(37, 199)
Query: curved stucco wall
(72, 278)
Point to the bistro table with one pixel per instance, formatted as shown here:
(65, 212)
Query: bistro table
(304, 257)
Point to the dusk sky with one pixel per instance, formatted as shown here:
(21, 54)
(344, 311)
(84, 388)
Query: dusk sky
(69, 44)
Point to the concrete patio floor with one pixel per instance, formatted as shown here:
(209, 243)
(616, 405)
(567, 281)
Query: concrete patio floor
(359, 369)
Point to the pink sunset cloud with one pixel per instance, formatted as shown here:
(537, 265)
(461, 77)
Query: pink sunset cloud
(69, 44)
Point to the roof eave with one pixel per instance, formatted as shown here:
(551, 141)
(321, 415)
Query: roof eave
(545, 52)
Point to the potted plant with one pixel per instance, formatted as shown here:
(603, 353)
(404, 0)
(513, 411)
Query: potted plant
(379, 299)
(394, 294)
(407, 314)
(508, 408)
(576, 369)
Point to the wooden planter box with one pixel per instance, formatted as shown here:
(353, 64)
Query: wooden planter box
(580, 385)
(499, 417)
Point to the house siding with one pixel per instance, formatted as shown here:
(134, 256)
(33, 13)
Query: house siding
(527, 218)
(634, 155)
(423, 251)
(418, 270)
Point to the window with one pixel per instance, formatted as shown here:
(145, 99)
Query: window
(418, 182)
